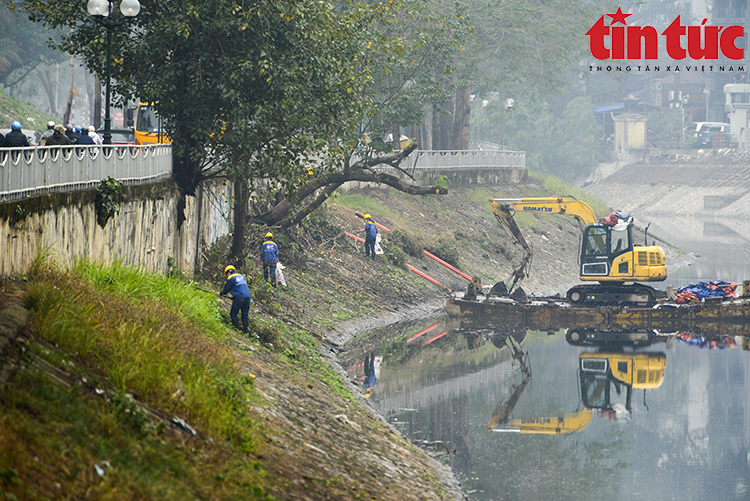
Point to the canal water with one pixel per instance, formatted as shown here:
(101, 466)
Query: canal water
(487, 400)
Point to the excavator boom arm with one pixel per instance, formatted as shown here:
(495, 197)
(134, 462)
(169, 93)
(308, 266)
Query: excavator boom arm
(546, 205)
(505, 208)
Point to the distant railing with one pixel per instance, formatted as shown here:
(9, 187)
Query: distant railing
(465, 160)
(486, 146)
(26, 172)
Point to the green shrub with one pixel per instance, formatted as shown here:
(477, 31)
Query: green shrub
(445, 249)
(396, 257)
(107, 201)
(407, 243)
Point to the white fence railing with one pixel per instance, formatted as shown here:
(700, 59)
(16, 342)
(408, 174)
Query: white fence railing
(465, 160)
(487, 146)
(26, 172)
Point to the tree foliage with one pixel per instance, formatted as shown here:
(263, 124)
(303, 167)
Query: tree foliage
(525, 48)
(563, 144)
(279, 92)
(23, 45)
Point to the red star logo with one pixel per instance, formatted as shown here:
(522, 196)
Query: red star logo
(619, 17)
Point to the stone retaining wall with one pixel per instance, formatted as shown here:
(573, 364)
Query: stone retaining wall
(144, 233)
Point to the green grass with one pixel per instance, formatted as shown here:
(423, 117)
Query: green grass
(145, 333)
(197, 306)
(480, 197)
(52, 438)
(11, 109)
(128, 351)
(367, 205)
(554, 186)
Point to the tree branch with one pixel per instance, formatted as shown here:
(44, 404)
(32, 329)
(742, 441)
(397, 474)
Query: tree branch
(23, 76)
(279, 214)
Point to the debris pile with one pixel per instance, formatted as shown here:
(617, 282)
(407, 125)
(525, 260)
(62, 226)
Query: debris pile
(696, 293)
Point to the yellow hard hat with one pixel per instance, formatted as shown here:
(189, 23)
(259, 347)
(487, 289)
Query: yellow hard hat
(367, 216)
(228, 269)
(269, 235)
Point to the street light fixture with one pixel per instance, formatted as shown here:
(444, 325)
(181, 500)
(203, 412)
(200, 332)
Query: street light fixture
(100, 10)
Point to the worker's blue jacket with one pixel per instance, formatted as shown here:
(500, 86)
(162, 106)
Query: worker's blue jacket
(371, 230)
(236, 286)
(269, 252)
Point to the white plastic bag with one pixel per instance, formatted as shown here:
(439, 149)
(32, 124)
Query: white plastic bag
(280, 275)
(378, 249)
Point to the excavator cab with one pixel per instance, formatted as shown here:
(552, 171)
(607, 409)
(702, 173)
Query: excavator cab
(609, 256)
(601, 247)
(608, 253)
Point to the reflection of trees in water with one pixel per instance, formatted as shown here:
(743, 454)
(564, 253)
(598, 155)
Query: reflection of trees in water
(689, 441)
(695, 435)
(547, 468)
(449, 422)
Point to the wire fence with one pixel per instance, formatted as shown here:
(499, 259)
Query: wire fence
(27, 172)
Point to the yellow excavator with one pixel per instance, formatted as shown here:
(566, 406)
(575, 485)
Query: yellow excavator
(607, 380)
(608, 254)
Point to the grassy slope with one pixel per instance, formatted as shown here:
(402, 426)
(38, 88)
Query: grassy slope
(115, 355)
(11, 109)
(131, 352)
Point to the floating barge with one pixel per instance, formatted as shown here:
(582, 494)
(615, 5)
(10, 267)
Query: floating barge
(729, 316)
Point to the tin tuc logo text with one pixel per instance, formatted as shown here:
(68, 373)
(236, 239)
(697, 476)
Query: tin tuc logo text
(617, 40)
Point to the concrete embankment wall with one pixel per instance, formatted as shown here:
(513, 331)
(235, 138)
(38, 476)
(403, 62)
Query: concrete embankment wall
(144, 233)
(697, 186)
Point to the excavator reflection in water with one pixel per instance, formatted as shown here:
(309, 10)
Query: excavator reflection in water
(607, 379)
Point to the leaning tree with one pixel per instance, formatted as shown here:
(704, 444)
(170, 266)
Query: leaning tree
(297, 94)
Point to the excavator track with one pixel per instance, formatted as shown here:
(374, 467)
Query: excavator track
(606, 294)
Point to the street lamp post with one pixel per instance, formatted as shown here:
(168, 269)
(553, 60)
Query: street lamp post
(100, 10)
(506, 105)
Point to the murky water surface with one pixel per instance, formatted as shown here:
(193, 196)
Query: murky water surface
(528, 415)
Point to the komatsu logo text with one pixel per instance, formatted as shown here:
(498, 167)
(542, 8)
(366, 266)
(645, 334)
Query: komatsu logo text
(531, 208)
(536, 421)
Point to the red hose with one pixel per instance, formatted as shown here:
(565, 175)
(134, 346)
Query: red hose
(427, 277)
(355, 237)
(467, 277)
(436, 337)
(428, 329)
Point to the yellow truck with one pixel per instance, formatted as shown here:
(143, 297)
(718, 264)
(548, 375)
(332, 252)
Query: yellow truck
(149, 126)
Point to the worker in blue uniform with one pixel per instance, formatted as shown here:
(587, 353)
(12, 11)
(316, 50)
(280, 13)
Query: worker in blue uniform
(269, 256)
(236, 285)
(371, 234)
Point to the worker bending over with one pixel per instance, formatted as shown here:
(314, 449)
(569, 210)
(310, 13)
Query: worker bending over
(236, 285)
(269, 256)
